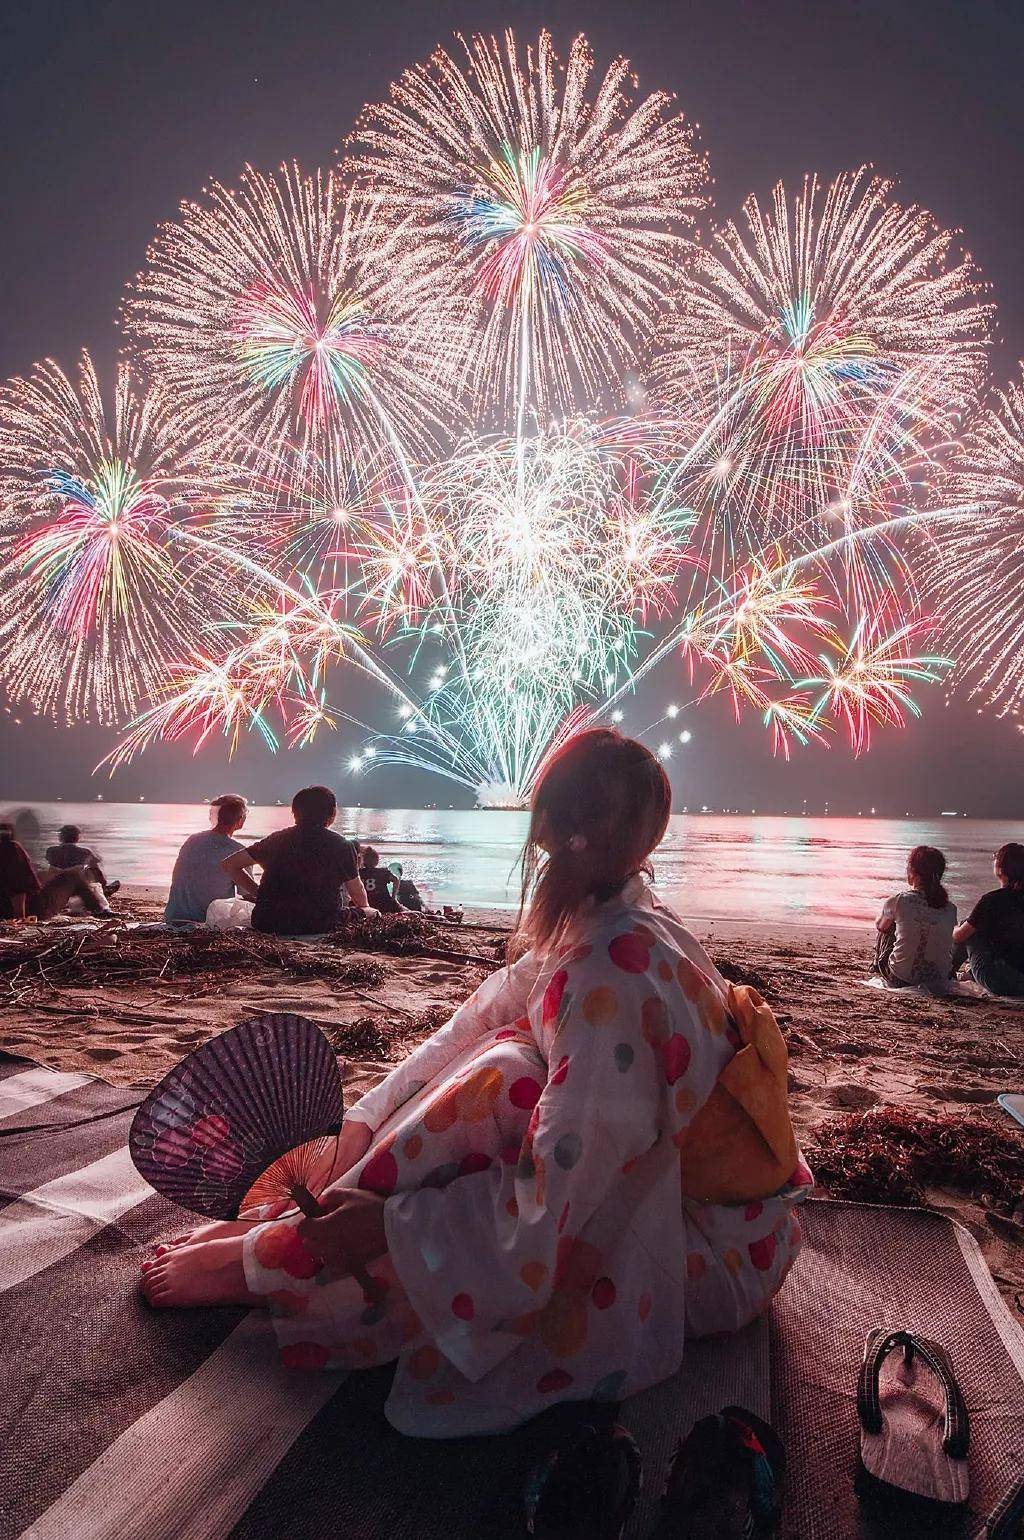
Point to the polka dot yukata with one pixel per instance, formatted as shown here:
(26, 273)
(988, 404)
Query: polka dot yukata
(540, 1248)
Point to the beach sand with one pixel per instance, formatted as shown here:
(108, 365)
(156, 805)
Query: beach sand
(852, 1050)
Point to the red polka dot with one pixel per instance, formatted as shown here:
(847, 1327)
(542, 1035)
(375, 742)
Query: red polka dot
(555, 1379)
(643, 1306)
(474, 1161)
(305, 1355)
(553, 997)
(562, 1218)
(753, 1211)
(463, 1307)
(762, 1252)
(440, 1398)
(561, 1071)
(603, 1293)
(380, 1174)
(506, 1032)
(525, 1092)
(630, 953)
(510, 1155)
(512, 1207)
(675, 1057)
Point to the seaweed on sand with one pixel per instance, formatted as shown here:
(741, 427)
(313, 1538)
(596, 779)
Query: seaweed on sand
(892, 1155)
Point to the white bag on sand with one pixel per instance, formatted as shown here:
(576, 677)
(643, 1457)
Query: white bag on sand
(230, 914)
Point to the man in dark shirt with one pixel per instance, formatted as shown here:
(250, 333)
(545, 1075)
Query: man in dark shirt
(23, 896)
(991, 939)
(304, 870)
(71, 853)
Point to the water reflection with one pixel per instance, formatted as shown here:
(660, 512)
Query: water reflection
(832, 871)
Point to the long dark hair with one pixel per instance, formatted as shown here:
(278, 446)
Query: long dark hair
(928, 865)
(1010, 861)
(600, 807)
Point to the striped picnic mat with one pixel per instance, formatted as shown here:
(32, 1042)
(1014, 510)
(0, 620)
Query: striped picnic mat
(118, 1421)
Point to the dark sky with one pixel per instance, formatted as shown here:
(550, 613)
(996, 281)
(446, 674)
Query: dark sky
(111, 112)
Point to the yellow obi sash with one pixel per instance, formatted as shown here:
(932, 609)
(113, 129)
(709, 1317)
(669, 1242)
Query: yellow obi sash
(741, 1145)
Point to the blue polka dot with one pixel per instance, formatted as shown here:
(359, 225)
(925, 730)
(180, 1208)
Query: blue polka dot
(568, 1151)
(526, 1168)
(610, 1387)
(442, 1175)
(623, 1057)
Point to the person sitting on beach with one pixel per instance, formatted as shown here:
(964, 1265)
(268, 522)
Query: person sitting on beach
(915, 927)
(381, 884)
(583, 1168)
(304, 871)
(991, 939)
(70, 852)
(24, 897)
(198, 877)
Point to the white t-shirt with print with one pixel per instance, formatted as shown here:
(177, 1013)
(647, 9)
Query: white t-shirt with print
(924, 938)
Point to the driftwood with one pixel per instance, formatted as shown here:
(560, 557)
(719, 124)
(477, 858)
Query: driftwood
(36, 965)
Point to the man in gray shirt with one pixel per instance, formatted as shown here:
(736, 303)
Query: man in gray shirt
(198, 877)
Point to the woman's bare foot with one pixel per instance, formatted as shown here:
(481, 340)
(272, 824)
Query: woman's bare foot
(216, 1230)
(208, 1273)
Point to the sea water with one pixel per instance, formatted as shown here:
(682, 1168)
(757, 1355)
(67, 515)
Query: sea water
(832, 871)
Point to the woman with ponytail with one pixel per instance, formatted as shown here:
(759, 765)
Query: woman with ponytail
(915, 927)
(591, 1162)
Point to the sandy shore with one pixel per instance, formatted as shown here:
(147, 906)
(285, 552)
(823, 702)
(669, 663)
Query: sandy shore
(853, 1051)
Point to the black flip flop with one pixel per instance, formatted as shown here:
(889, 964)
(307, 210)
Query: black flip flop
(1006, 1521)
(915, 1432)
(725, 1479)
(586, 1487)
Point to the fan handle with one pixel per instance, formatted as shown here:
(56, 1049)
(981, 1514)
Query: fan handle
(373, 1292)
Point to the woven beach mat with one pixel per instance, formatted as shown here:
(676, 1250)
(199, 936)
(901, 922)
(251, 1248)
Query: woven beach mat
(122, 1423)
(864, 1266)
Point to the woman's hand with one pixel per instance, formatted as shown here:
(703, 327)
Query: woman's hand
(339, 1157)
(352, 1233)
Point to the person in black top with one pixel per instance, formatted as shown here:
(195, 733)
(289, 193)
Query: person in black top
(70, 853)
(991, 939)
(304, 871)
(381, 884)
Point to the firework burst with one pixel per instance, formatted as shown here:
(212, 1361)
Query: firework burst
(92, 499)
(559, 201)
(827, 348)
(297, 322)
(974, 568)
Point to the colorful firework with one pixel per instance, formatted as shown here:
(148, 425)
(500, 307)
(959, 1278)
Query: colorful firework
(828, 348)
(297, 321)
(870, 682)
(974, 567)
(95, 595)
(507, 235)
(545, 561)
(559, 203)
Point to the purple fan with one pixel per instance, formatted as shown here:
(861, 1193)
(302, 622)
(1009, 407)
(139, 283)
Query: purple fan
(244, 1120)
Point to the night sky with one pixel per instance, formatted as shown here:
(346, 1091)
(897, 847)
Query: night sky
(110, 113)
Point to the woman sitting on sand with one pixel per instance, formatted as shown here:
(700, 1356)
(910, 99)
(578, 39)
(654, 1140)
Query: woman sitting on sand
(565, 1181)
(915, 927)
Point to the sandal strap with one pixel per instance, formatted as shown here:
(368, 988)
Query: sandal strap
(1004, 1520)
(880, 1343)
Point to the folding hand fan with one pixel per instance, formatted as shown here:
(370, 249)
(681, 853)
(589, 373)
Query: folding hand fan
(245, 1120)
